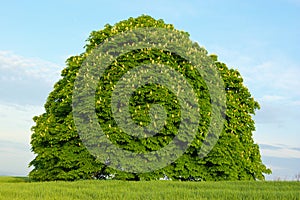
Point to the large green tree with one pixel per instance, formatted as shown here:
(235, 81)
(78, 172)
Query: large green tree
(61, 154)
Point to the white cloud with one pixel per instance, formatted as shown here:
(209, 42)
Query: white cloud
(272, 77)
(277, 75)
(296, 103)
(26, 80)
(264, 73)
(276, 109)
(16, 121)
(24, 86)
(272, 98)
(15, 158)
(279, 151)
(15, 68)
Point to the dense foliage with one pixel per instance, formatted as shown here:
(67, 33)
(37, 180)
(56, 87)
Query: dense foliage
(61, 155)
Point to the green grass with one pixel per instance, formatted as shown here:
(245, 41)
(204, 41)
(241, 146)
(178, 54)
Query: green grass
(20, 188)
(12, 179)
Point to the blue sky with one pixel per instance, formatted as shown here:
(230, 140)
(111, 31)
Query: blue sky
(259, 38)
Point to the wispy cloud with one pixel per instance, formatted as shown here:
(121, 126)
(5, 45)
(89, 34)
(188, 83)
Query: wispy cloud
(272, 98)
(284, 160)
(282, 168)
(26, 80)
(272, 77)
(278, 76)
(277, 109)
(15, 68)
(265, 73)
(16, 121)
(14, 158)
(268, 146)
(7, 144)
(279, 151)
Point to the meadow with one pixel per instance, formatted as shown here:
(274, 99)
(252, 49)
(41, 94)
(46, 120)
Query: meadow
(18, 188)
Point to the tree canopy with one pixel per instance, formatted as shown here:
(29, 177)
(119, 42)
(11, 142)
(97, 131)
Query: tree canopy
(62, 155)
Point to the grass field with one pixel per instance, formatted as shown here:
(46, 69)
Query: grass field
(20, 188)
